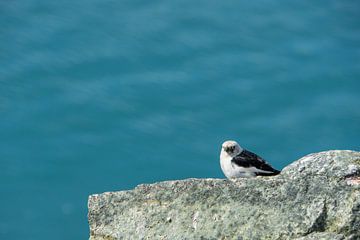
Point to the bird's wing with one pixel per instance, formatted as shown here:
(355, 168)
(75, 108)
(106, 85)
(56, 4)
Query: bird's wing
(248, 159)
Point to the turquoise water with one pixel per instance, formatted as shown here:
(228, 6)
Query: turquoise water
(103, 95)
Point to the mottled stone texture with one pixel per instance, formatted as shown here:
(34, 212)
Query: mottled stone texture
(316, 197)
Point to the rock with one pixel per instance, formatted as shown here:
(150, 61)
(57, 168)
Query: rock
(316, 197)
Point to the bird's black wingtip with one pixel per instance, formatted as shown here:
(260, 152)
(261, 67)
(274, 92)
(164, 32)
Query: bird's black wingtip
(274, 173)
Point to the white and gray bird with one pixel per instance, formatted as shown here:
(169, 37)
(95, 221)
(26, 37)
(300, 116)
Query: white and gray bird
(237, 162)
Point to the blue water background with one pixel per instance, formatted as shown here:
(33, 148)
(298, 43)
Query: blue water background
(101, 96)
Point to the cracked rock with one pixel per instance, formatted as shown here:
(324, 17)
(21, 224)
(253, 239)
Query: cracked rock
(316, 197)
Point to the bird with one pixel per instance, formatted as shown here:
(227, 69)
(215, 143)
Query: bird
(237, 162)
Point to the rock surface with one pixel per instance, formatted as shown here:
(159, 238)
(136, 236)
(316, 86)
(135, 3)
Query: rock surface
(316, 197)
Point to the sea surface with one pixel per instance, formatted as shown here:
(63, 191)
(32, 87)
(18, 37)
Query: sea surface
(100, 96)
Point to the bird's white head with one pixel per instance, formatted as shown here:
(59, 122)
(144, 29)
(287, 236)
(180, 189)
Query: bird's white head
(230, 148)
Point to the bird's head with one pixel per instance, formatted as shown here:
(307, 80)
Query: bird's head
(232, 148)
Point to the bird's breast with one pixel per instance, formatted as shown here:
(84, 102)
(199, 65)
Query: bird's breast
(231, 170)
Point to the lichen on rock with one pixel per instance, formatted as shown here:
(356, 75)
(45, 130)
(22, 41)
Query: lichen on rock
(316, 197)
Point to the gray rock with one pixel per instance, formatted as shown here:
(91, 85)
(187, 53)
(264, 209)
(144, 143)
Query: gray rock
(316, 197)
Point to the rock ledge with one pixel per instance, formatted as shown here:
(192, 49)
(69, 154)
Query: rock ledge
(316, 197)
